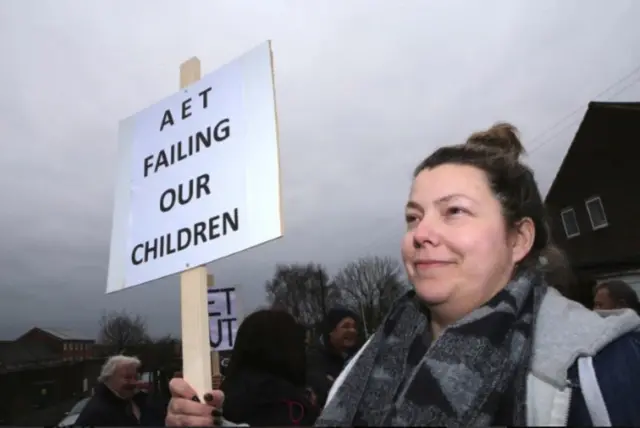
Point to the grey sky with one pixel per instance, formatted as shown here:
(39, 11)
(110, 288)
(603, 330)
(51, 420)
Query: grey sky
(365, 89)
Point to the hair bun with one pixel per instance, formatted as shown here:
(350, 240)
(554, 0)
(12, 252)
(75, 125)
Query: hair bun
(501, 137)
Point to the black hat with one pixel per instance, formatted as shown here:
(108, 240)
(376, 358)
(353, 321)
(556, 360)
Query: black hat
(334, 316)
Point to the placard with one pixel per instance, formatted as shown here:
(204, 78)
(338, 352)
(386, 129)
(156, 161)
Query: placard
(199, 175)
(223, 318)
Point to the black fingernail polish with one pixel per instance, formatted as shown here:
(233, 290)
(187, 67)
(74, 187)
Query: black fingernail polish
(208, 397)
(195, 398)
(216, 413)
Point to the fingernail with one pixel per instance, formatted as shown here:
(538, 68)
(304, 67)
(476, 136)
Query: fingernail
(208, 397)
(195, 398)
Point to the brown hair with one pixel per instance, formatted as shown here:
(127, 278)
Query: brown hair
(497, 151)
(270, 341)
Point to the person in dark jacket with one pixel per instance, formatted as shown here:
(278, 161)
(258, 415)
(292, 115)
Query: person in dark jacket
(265, 380)
(326, 359)
(615, 294)
(117, 402)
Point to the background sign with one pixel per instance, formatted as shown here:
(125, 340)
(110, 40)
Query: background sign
(198, 176)
(224, 318)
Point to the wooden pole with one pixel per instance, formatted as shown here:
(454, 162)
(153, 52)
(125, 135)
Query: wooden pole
(215, 363)
(196, 361)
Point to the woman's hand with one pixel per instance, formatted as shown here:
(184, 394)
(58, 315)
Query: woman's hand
(185, 408)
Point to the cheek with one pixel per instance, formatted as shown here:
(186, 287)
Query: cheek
(483, 248)
(406, 248)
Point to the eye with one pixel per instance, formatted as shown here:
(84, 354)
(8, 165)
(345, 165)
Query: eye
(411, 218)
(455, 211)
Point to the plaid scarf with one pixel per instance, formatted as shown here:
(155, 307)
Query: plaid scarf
(473, 375)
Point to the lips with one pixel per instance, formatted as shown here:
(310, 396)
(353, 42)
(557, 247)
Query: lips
(430, 264)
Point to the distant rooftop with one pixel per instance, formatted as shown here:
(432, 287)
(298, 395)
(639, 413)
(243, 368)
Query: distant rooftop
(64, 334)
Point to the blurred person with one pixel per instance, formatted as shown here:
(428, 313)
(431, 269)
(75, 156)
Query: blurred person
(482, 339)
(327, 357)
(117, 399)
(615, 294)
(265, 379)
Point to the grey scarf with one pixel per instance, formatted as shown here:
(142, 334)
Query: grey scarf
(473, 375)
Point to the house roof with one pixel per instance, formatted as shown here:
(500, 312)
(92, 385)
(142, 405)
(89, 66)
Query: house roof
(63, 334)
(597, 116)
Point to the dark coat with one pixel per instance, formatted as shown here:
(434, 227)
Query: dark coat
(617, 368)
(262, 399)
(107, 409)
(323, 367)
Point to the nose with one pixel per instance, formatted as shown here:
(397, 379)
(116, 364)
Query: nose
(426, 232)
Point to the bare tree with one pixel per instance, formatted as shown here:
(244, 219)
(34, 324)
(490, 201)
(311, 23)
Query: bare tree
(302, 290)
(120, 331)
(369, 286)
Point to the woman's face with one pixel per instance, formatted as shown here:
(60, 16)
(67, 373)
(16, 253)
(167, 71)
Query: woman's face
(456, 250)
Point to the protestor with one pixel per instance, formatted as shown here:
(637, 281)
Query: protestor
(117, 400)
(615, 295)
(327, 357)
(265, 380)
(481, 340)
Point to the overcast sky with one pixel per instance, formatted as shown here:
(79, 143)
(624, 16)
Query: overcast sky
(365, 90)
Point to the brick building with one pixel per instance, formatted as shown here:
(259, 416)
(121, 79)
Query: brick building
(69, 345)
(594, 204)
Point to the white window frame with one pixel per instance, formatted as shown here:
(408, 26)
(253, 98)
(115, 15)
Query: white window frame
(564, 224)
(604, 213)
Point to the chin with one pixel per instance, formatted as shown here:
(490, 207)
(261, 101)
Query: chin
(431, 294)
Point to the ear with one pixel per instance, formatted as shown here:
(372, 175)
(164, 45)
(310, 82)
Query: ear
(522, 239)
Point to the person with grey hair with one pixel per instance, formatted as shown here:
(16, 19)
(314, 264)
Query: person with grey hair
(117, 401)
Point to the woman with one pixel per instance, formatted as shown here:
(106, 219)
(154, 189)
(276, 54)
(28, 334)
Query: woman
(482, 340)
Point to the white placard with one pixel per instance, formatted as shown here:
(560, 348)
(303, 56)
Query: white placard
(198, 175)
(224, 318)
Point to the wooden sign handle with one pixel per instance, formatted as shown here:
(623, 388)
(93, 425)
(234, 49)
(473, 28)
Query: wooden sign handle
(194, 310)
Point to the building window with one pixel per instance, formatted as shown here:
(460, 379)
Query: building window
(570, 222)
(596, 213)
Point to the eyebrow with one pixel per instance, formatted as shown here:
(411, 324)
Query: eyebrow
(447, 198)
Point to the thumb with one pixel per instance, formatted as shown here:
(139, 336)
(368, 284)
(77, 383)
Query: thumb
(181, 389)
